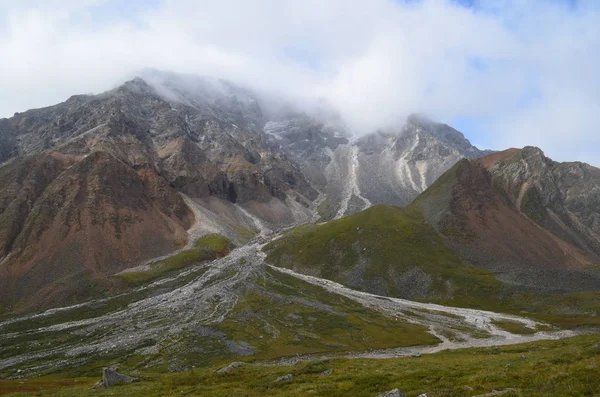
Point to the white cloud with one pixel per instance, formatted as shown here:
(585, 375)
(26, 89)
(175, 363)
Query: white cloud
(527, 70)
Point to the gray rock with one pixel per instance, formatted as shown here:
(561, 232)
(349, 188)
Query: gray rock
(416, 355)
(284, 378)
(327, 372)
(392, 393)
(111, 377)
(230, 367)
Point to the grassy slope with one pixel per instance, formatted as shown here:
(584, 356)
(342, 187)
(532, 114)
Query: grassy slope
(290, 316)
(208, 247)
(568, 367)
(390, 241)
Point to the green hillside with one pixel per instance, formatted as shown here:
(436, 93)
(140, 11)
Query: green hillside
(386, 250)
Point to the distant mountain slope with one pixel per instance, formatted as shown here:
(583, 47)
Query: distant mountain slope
(68, 221)
(202, 146)
(480, 222)
(390, 167)
(564, 198)
(463, 240)
(92, 186)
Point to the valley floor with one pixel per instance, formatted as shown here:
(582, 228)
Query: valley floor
(176, 330)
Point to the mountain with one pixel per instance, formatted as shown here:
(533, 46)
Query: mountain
(384, 250)
(93, 186)
(386, 167)
(563, 198)
(103, 183)
(176, 222)
(480, 235)
(479, 218)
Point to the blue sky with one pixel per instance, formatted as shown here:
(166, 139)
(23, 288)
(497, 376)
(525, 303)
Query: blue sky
(504, 72)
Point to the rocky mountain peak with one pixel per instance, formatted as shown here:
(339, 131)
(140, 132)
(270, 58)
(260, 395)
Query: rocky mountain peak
(136, 86)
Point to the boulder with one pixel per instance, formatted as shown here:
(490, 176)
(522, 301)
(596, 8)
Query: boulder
(392, 393)
(111, 377)
(230, 367)
(284, 378)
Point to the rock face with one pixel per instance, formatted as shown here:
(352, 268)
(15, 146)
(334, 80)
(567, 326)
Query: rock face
(68, 222)
(390, 167)
(203, 140)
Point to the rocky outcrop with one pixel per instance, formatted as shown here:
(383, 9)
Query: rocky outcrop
(230, 367)
(284, 378)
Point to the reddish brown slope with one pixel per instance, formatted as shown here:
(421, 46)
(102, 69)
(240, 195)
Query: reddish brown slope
(97, 217)
(481, 222)
(563, 198)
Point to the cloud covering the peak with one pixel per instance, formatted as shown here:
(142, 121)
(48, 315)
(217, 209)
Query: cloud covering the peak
(522, 72)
